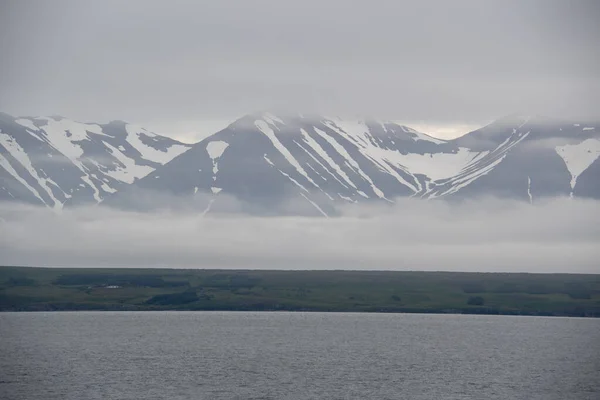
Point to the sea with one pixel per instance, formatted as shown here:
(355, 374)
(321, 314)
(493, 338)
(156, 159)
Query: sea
(296, 355)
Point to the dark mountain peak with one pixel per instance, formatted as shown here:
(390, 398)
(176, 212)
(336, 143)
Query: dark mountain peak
(117, 122)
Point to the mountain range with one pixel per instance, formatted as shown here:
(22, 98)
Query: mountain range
(267, 164)
(55, 161)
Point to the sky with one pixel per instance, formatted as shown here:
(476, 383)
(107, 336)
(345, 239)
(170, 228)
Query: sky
(558, 235)
(187, 68)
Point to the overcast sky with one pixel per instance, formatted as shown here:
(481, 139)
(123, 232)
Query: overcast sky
(187, 67)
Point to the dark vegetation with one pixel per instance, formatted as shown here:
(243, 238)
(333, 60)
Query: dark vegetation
(115, 279)
(33, 289)
(476, 301)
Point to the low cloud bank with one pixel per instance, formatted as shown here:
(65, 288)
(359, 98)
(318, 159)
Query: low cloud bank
(559, 235)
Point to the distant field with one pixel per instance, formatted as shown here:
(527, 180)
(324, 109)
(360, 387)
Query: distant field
(40, 289)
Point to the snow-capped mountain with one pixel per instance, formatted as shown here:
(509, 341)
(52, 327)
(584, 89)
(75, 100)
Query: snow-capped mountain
(551, 158)
(55, 161)
(303, 164)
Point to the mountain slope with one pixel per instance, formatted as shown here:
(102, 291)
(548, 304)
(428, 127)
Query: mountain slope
(55, 161)
(263, 161)
(309, 164)
(297, 164)
(546, 163)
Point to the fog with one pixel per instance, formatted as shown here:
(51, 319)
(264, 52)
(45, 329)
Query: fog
(557, 235)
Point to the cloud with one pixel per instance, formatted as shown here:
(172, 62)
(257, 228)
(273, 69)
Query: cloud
(559, 235)
(442, 131)
(155, 63)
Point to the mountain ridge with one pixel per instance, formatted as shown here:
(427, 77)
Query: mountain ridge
(327, 161)
(265, 164)
(55, 161)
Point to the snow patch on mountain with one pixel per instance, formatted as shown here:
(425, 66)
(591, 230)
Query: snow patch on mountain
(480, 165)
(315, 205)
(421, 136)
(78, 161)
(351, 161)
(216, 148)
(323, 154)
(27, 124)
(467, 178)
(269, 133)
(150, 153)
(355, 131)
(19, 154)
(578, 157)
(434, 166)
(128, 171)
(9, 168)
(65, 136)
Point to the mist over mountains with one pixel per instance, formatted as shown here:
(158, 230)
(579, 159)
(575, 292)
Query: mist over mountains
(520, 194)
(267, 164)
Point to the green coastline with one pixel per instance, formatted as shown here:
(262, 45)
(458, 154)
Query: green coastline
(71, 289)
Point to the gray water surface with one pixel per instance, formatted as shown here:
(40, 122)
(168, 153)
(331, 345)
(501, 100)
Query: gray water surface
(245, 355)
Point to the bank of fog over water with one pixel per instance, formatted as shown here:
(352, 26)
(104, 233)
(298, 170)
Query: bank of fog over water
(555, 235)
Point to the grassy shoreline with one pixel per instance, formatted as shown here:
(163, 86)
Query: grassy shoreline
(110, 289)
